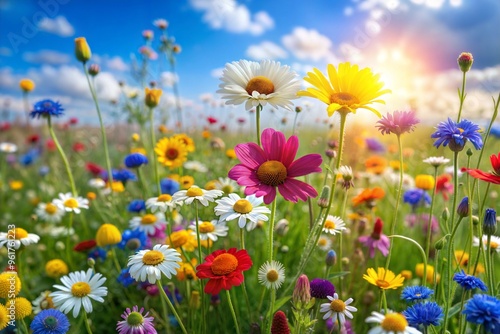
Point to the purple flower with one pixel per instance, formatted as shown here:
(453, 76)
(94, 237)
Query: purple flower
(321, 288)
(398, 123)
(376, 240)
(457, 134)
(262, 170)
(136, 322)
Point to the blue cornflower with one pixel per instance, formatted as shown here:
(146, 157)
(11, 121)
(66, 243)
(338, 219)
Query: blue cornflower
(495, 131)
(43, 170)
(169, 186)
(122, 175)
(125, 279)
(98, 253)
(423, 314)
(135, 160)
(483, 310)
(133, 239)
(463, 207)
(136, 205)
(47, 108)
(469, 282)
(415, 293)
(416, 197)
(321, 288)
(490, 222)
(449, 132)
(50, 321)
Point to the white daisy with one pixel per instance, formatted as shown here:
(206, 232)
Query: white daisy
(148, 223)
(390, 323)
(494, 242)
(78, 290)
(69, 203)
(247, 210)
(338, 309)
(196, 193)
(256, 84)
(436, 161)
(324, 243)
(97, 183)
(161, 203)
(211, 230)
(196, 166)
(226, 185)
(8, 147)
(347, 176)
(333, 225)
(150, 264)
(49, 212)
(42, 302)
(272, 274)
(17, 237)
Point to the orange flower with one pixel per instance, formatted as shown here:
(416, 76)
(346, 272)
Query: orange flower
(375, 165)
(369, 196)
(26, 85)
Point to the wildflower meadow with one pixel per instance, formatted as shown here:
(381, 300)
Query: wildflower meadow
(156, 225)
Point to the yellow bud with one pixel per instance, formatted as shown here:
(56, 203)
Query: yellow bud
(82, 49)
(26, 85)
(152, 98)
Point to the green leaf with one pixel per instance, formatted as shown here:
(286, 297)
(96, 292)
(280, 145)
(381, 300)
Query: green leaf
(339, 274)
(280, 302)
(454, 310)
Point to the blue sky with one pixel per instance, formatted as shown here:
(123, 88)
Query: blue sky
(412, 43)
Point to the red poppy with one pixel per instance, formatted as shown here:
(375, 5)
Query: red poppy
(85, 246)
(224, 269)
(78, 147)
(51, 146)
(211, 120)
(93, 168)
(493, 177)
(73, 121)
(444, 186)
(33, 139)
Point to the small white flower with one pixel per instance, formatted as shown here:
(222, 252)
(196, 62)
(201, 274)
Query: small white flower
(196, 193)
(16, 237)
(161, 203)
(8, 147)
(42, 302)
(49, 212)
(494, 242)
(436, 161)
(390, 323)
(150, 264)
(78, 289)
(69, 203)
(226, 185)
(210, 230)
(333, 225)
(324, 243)
(272, 274)
(148, 223)
(338, 309)
(247, 210)
(196, 166)
(97, 183)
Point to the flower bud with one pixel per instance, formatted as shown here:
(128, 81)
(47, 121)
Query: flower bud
(281, 227)
(324, 197)
(331, 258)
(298, 109)
(194, 301)
(445, 215)
(475, 220)
(279, 324)
(26, 85)
(152, 98)
(440, 243)
(91, 262)
(94, 70)
(332, 154)
(463, 207)
(302, 292)
(82, 50)
(465, 61)
(490, 222)
(469, 152)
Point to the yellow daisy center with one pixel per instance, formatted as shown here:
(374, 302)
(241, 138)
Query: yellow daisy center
(394, 322)
(172, 153)
(242, 206)
(206, 227)
(148, 219)
(164, 198)
(152, 258)
(493, 244)
(382, 283)
(80, 289)
(272, 173)
(337, 305)
(194, 191)
(47, 303)
(260, 84)
(71, 203)
(329, 224)
(272, 275)
(322, 242)
(224, 264)
(344, 98)
(50, 208)
(227, 189)
(20, 233)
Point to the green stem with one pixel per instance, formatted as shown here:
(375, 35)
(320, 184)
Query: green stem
(270, 251)
(245, 293)
(398, 200)
(429, 225)
(462, 97)
(68, 237)
(153, 141)
(101, 123)
(200, 259)
(142, 183)
(63, 157)
(489, 264)
(115, 260)
(86, 321)
(172, 308)
(271, 310)
(232, 312)
(258, 109)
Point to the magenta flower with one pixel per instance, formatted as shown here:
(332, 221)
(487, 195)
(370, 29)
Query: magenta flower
(398, 123)
(136, 322)
(376, 240)
(263, 169)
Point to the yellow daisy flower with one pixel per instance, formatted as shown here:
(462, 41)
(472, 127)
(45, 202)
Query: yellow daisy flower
(347, 89)
(188, 141)
(171, 152)
(383, 279)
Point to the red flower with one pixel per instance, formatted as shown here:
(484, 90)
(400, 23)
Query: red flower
(78, 147)
(280, 324)
(4, 126)
(444, 186)
(85, 246)
(73, 121)
(493, 177)
(224, 269)
(51, 146)
(93, 168)
(211, 120)
(33, 139)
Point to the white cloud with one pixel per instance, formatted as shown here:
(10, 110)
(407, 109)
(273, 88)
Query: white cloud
(266, 50)
(233, 17)
(217, 73)
(58, 26)
(168, 79)
(307, 44)
(49, 57)
(116, 63)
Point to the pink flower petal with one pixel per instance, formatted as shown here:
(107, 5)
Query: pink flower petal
(293, 190)
(239, 171)
(273, 143)
(305, 165)
(250, 155)
(290, 151)
(271, 195)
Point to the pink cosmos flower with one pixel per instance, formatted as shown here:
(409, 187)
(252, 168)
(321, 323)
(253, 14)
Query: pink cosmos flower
(263, 169)
(376, 240)
(399, 122)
